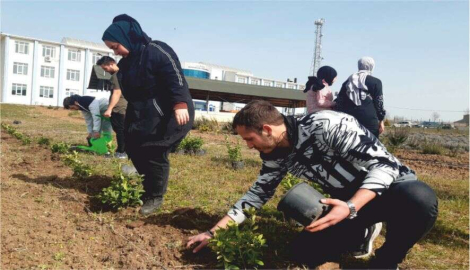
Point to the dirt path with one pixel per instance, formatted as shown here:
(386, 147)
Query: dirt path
(49, 221)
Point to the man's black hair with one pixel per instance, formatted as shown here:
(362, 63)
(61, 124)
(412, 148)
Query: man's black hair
(105, 60)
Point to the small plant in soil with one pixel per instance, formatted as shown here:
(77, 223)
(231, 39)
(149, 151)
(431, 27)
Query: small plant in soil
(124, 191)
(44, 141)
(234, 154)
(396, 137)
(239, 246)
(191, 145)
(61, 148)
(432, 148)
(80, 170)
(289, 181)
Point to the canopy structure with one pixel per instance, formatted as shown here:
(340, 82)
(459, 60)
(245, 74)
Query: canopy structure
(99, 79)
(214, 90)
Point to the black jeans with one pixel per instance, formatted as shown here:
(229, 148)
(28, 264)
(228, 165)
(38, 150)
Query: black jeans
(117, 122)
(153, 163)
(408, 208)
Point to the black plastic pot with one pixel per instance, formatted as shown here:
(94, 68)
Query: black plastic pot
(238, 165)
(302, 203)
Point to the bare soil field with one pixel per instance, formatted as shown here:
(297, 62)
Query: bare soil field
(52, 220)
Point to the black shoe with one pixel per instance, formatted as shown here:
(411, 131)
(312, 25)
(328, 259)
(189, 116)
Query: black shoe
(151, 205)
(365, 249)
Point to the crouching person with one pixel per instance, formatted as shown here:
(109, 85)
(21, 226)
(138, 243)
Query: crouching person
(367, 184)
(92, 109)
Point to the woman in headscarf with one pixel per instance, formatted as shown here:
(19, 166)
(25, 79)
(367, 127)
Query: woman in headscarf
(319, 96)
(361, 96)
(160, 109)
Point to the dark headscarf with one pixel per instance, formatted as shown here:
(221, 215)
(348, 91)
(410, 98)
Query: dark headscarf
(324, 73)
(126, 31)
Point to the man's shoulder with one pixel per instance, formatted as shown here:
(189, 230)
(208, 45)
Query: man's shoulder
(323, 115)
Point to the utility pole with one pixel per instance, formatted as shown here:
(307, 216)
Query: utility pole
(316, 61)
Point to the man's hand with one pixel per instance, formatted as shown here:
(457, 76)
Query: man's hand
(338, 212)
(182, 116)
(202, 238)
(381, 127)
(95, 135)
(107, 113)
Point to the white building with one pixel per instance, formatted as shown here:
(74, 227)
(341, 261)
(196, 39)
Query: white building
(40, 72)
(222, 73)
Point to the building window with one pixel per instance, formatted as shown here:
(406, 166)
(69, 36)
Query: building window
(267, 83)
(74, 55)
(290, 86)
(20, 68)
(241, 80)
(47, 72)
(280, 85)
(18, 89)
(96, 57)
(46, 92)
(21, 47)
(48, 51)
(73, 75)
(69, 92)
(254, 81)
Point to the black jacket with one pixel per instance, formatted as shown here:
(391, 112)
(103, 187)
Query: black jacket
(371, 110)
(153, 83)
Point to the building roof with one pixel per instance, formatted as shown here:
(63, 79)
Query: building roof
(66, 41)
(243, 93)
(84, 44)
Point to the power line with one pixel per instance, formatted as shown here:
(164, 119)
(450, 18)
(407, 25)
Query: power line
(425, 110)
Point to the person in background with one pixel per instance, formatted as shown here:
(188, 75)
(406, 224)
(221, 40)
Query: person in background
(117, 104)
(91, 109)
(361, 96)
(319, 96)
(160, 109)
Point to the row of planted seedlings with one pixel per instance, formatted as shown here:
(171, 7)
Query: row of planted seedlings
(237, 246)
(125, 189)
(15, 133)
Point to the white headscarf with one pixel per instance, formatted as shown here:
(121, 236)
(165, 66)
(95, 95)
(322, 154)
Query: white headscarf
(357, 80)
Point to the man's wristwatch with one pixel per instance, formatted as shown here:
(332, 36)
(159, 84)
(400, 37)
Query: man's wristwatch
(352, 210)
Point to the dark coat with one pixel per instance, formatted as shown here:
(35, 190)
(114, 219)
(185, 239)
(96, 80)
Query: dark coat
(153, 83)
(371, 110)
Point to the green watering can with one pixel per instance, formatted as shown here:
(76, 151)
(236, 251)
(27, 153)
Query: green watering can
(100, 145)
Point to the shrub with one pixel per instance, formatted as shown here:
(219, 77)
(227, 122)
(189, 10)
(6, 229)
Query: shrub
(432, 148)
(205, 124)
(239, 246)
(124, 191)
(44, 141)
(387, 123)
(395, 138)
(191, 144)
(234, 152)
(61, 148)
(227, 128)
(454, 150)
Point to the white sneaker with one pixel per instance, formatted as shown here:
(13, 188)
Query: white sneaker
(365, 249)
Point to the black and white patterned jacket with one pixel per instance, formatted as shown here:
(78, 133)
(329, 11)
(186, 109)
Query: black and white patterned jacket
(331, 149)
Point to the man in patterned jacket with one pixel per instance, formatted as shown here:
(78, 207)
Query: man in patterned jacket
(367, 184)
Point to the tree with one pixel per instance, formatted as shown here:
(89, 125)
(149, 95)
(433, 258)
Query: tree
(435, 116)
